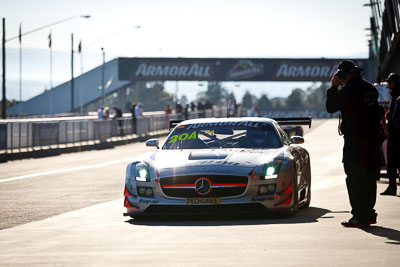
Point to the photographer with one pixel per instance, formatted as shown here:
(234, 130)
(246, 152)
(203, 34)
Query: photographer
(393, 141)
(357, 102)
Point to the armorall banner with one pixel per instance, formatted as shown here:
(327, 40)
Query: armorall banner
(230, 69)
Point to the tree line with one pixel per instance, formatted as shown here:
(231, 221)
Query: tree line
(311, 98)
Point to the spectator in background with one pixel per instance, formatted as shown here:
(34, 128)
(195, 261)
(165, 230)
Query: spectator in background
(100, 113)
(139, 110)
(230, 107)
(192, 106)
(393, 140)
(186, 112)
(167, 112)
(382, 115)
(118, 117)
(106, 113)
(209, 105)
(178, 109)
(117, 112)
(133, 117)
(201, 108)
(254, 111)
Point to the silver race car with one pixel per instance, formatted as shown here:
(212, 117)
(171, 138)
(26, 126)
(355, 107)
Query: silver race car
(234, 165)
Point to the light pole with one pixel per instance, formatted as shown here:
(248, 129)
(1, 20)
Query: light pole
(3, 52)
(20, 70)
(80, 90)
(4, 40)
(72, 73)
(102, 77)
(51, 75)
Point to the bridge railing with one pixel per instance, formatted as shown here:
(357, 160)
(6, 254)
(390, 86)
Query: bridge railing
(38, 134)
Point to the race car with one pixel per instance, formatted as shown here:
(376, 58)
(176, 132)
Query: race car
(221, 165)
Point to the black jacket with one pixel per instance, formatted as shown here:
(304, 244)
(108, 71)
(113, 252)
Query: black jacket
(357, 102)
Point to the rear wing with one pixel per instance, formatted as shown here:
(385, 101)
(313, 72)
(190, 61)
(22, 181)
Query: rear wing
(294, 121)
(173, 123)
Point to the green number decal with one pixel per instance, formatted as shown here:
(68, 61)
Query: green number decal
(183, 136)
(173, 139)
(192, 136)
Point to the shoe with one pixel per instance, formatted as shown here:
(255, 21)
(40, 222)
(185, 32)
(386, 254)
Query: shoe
(390, 191)
(354, 223)
(372, 219)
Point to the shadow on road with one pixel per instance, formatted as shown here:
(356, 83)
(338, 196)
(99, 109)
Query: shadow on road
(308, 215)
(391, 234)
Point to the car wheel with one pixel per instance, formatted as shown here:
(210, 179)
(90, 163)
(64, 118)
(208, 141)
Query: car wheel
(309, 185)
(295, 194)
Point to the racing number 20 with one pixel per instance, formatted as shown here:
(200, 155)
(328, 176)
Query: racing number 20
(182, 137)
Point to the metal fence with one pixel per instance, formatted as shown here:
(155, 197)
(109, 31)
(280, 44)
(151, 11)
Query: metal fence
(31, 135)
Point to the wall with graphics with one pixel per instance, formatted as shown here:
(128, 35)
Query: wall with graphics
(121, 73)
(230, 69)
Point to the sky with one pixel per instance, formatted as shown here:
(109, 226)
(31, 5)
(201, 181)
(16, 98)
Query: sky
(178, 28)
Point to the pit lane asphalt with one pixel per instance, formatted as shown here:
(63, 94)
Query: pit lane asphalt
(50, 186)
(99, 235)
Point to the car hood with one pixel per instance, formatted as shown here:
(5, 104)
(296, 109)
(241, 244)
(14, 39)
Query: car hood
(186, 162)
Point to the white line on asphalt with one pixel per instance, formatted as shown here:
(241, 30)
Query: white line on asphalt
(64, 170)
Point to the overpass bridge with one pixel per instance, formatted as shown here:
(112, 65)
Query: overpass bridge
(122, 75)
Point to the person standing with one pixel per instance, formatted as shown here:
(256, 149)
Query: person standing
(118, 116)
(393, 139)
(106, 113)
(133, 110)
(100, 113)
(166, 116)
(186, 112)
(357, 102)
(139, 111)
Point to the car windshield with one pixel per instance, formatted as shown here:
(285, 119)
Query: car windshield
(241, 134)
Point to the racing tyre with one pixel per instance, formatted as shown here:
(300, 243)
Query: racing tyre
(295, 195)
(309, 185)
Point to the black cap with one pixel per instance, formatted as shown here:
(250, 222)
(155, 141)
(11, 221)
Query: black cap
(392, 77)
(348, 66)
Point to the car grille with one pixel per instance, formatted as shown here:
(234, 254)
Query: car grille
(190, 186)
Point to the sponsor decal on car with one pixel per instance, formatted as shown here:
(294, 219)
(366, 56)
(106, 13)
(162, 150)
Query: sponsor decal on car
(203, 171)
(261, 199)
(233, 123)
(182, 137)
(203, 201)
(148, 201)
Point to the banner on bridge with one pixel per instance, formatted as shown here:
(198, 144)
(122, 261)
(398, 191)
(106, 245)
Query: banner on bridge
(230, 69)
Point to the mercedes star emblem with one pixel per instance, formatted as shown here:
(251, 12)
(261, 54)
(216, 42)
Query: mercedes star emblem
(203, 186)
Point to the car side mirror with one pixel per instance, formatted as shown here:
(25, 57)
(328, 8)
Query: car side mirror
(152, 142)
(295, 139)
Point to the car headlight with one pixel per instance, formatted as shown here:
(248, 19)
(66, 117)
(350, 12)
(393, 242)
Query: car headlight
(142, 173)
(271, 170)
